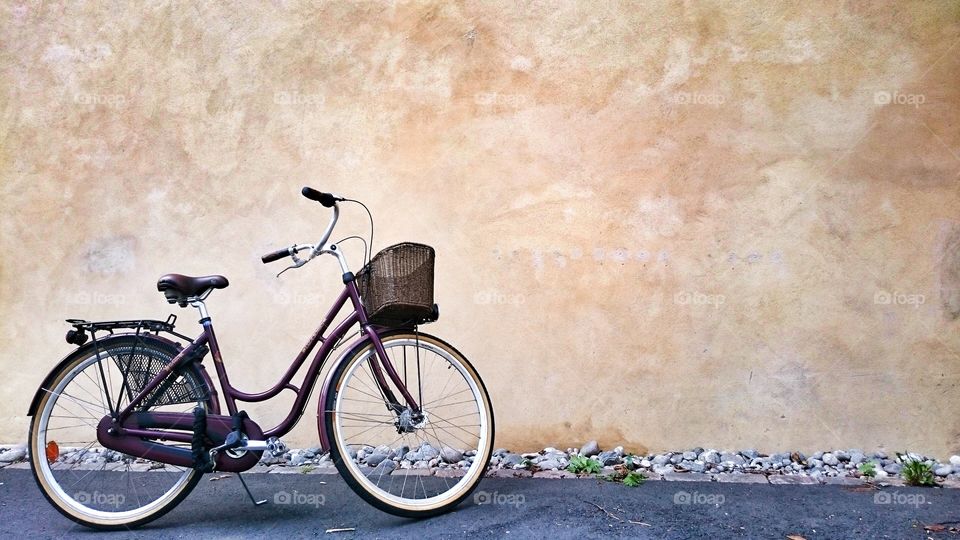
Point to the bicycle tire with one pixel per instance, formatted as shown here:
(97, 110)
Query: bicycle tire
(42, 472)
(349, 473)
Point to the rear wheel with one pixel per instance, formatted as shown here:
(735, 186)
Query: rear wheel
(92, 485)
(411, 464)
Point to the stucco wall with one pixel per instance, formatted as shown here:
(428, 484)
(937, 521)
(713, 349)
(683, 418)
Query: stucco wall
(662, 224)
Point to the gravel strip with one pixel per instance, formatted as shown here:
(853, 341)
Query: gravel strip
(697, 464)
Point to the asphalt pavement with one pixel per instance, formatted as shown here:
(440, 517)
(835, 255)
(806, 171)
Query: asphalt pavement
(310, 505)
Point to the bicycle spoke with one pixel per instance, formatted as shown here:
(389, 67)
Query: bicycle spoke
(431, 402)
(363, 401)
(77, 401)
(367, 418)
(452, 404)
(70, 427)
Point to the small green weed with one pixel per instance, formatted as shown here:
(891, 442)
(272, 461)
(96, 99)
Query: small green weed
(634, 479)
(918, 473)
(583, 464)
(868, 469)
(624, 476)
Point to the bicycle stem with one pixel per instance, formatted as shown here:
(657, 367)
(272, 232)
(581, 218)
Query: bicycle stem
(326, 234)
(320, 248)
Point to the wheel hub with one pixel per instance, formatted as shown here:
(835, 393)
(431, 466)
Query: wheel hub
(409, 421)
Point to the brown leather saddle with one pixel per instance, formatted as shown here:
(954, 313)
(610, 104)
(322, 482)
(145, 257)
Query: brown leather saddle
(181, 289)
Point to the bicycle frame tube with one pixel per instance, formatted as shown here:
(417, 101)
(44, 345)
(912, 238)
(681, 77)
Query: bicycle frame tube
(231, 395)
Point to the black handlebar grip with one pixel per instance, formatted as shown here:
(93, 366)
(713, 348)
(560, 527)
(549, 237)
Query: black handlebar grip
(326, 199)
(275, 255)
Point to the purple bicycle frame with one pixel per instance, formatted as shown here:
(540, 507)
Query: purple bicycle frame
(231, 395)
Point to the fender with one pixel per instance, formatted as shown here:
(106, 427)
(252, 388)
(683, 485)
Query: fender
(85, 349)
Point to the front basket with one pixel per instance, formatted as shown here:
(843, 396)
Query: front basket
(397, 285)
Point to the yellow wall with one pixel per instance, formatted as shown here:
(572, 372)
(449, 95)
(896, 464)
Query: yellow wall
(662, 224)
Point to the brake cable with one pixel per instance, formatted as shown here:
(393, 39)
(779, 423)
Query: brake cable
(369, 253)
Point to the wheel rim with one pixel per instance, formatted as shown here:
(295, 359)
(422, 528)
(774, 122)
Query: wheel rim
(116, 488)
(457, 417)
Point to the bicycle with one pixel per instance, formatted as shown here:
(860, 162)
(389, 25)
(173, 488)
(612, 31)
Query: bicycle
(123, 428)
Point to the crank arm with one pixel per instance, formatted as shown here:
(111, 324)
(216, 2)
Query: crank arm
(273, 445)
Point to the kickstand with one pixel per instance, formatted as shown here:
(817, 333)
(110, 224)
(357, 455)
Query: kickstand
(252, 499)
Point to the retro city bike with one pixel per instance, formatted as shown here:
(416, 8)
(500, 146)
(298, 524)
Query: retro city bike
(123, 428)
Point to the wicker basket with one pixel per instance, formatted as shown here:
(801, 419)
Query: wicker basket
(397, 285)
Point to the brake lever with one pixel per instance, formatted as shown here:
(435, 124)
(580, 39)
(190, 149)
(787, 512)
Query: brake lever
(297, 263)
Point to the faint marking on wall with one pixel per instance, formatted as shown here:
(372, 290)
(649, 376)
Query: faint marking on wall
(950, 270)
(111, 255)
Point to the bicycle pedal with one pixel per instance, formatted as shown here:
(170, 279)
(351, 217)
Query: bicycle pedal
(277, 447)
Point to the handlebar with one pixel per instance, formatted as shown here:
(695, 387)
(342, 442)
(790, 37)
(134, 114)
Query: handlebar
(328, 200)
(275, 255)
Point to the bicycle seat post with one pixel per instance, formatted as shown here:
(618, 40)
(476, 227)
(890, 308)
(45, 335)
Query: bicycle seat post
(198, 303)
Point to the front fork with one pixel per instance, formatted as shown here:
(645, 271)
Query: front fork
(385, 362)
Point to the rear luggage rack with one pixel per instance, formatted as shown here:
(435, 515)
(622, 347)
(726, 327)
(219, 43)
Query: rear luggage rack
(78, 336)
(136, 366)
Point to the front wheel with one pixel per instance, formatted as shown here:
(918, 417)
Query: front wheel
(408, 463)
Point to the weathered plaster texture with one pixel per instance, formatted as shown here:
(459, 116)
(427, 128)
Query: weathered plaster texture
(660, 223)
